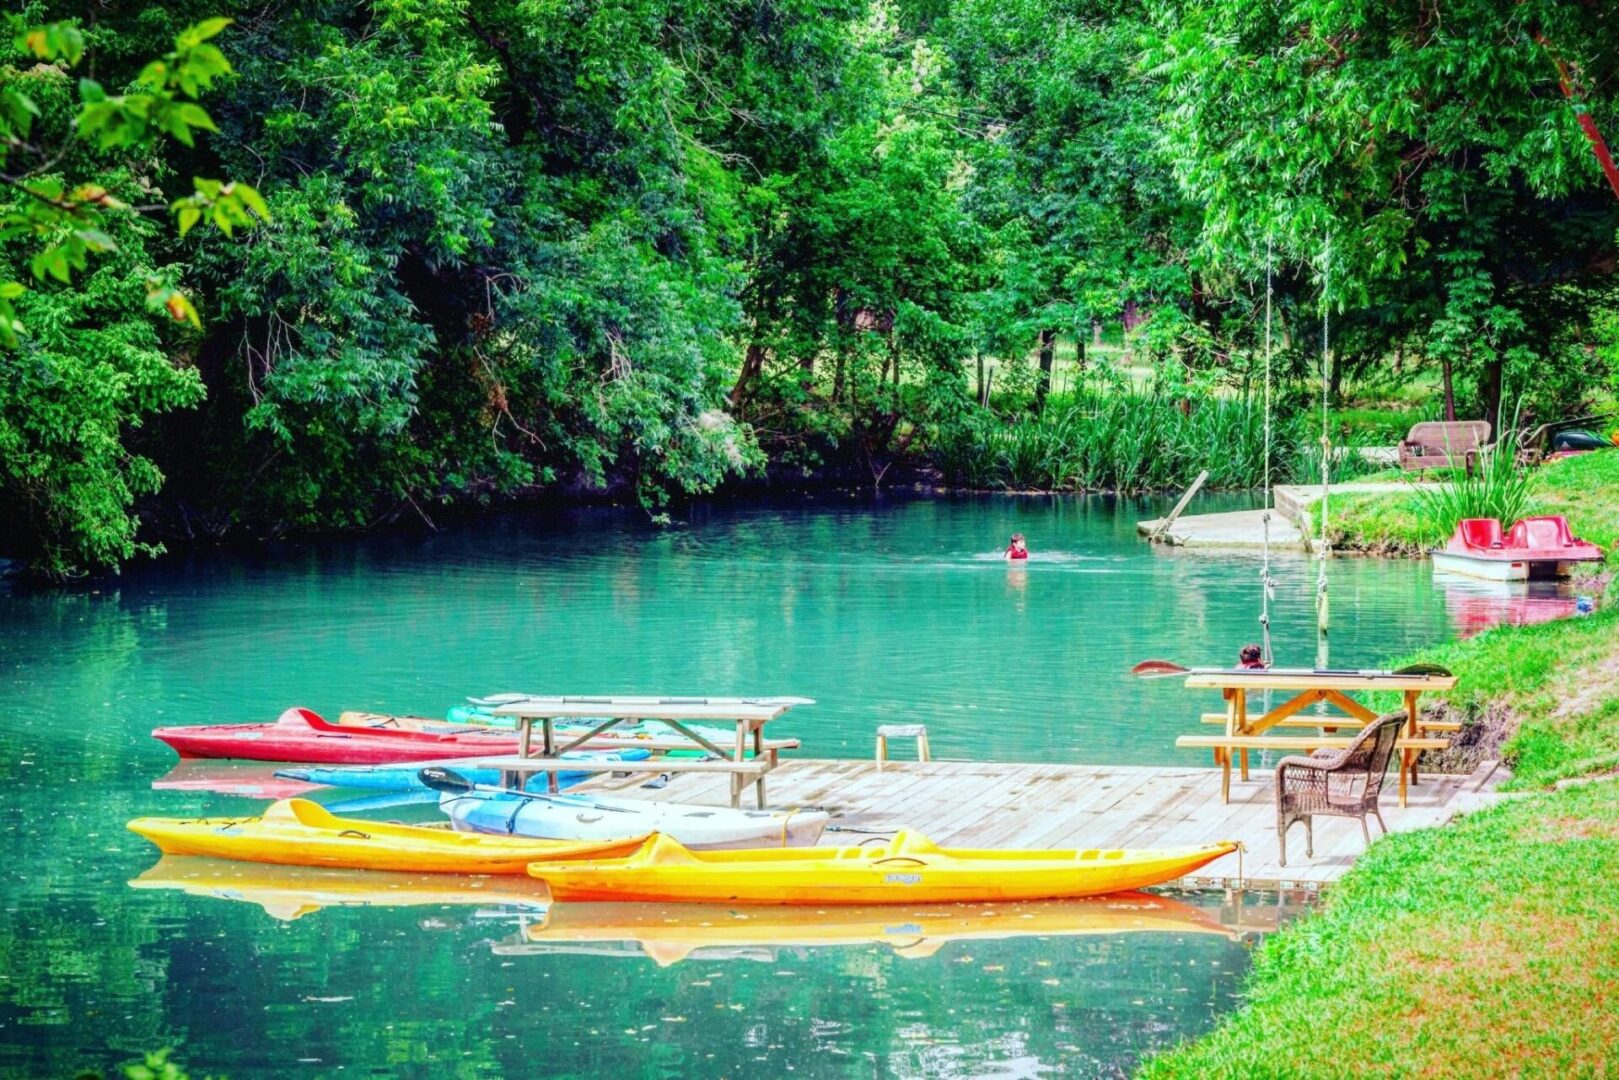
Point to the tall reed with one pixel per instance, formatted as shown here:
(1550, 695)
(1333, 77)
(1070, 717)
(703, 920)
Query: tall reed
(1118, 440)
(1496, 487)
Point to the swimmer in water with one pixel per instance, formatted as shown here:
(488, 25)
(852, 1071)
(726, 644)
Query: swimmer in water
(1016, 549)
(1251, 658)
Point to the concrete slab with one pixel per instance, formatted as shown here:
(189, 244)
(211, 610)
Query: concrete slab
(1239, 528)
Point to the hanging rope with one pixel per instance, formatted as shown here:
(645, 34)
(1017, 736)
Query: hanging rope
(1323, 548)
(1265, 587)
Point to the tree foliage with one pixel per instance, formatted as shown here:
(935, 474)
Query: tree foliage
(644, 248)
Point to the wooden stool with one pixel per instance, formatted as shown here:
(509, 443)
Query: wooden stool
(903, 731)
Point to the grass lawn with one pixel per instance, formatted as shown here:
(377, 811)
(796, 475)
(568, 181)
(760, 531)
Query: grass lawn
(1584, 488)
(1485, 948)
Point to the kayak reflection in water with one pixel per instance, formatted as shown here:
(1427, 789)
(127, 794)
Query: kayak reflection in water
(1016, 549)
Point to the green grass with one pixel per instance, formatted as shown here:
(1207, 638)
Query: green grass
(1384, 426)
(1114, 439)
(1485, 948)
(1585, 489)
(1559, 679)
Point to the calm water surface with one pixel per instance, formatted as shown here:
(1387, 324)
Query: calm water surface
(893, 611)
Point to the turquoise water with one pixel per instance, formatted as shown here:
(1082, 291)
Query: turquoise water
(887, 611)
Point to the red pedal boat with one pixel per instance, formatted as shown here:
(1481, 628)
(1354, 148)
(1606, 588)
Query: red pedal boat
(1535, 547)
(301, 735)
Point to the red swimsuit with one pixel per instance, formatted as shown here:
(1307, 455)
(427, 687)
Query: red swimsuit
(1013, 553)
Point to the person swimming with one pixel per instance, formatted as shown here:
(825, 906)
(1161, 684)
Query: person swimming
(1016, 549)
(1252, 657)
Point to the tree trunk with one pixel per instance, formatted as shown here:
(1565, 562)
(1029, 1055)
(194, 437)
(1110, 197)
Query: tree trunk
(1048, 349)
(983, 399)
(1079, 353)
(753, 361)
(1450, 391)
(1096, 332)
(1489, 392)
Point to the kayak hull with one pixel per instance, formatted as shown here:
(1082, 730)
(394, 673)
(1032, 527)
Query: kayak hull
(301, 735)
(296, 832)
(911, 870)
(589, 817)
(408, 777)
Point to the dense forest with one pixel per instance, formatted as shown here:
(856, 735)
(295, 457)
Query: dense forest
(321, 265)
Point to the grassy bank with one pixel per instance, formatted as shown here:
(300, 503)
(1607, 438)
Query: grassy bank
(1584, 488)
(1487, 947)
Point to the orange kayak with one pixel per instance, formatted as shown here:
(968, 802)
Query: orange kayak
(910, 870)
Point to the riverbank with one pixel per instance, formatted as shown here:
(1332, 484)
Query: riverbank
(1484, 947)
(1584, 488)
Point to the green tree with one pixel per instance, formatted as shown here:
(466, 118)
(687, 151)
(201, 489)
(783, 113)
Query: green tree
(82, 362)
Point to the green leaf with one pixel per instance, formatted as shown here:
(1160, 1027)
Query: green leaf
(189, 216)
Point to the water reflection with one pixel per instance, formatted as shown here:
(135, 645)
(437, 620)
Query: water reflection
(291, 892)
(1476, 605)
(670, 933)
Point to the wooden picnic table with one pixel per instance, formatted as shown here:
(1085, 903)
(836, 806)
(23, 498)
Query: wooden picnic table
(748, 716)
(1243, 728)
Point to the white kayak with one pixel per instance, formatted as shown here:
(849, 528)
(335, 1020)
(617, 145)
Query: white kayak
(582, 817)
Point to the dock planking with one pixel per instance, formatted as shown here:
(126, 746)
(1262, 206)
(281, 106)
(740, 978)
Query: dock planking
(992, 804)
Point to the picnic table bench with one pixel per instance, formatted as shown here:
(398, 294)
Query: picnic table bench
(1245, 731)
(749, 717)
(1435, 444)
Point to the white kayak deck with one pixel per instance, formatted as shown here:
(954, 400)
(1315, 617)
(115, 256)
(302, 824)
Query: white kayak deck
(991, 804)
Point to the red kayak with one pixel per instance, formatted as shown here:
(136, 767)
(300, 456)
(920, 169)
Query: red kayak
(301, 735)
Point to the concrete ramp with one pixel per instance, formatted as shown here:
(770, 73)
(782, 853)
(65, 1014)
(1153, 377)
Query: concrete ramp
(1238, 528)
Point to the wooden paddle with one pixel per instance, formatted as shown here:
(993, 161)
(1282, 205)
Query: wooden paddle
(1162, 669)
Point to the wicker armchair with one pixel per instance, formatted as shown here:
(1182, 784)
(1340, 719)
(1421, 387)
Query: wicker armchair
(1339, 783)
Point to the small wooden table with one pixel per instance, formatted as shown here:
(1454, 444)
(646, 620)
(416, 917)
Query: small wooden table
(1309, 688)
(749, 717)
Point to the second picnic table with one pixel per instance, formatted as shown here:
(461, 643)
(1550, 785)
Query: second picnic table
(1246, 731)
(748, 715)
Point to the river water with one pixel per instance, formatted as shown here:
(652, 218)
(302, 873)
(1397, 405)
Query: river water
(898, 610)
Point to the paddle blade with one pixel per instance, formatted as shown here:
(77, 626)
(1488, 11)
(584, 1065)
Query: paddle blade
(1423, 669)
(440, 779)
(1158, 669)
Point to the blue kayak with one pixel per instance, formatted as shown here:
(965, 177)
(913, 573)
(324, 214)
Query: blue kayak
(404, 777)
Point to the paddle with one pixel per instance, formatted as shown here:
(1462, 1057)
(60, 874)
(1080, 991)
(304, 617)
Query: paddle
(452, 782)
(1159, 669)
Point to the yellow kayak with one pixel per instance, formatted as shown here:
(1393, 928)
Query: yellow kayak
(910, 870)
(669, 933)
(297, 832)
(289, 892)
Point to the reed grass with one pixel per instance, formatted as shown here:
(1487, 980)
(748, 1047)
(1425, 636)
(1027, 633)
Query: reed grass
(1108, 439)
(1496, 487)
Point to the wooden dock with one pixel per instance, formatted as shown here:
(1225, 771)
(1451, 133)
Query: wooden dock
(990, 804)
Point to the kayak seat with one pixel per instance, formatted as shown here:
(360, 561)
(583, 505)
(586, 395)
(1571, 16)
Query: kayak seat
(302, 811)
(1550, 531)
(1480, 532)
(907, 842)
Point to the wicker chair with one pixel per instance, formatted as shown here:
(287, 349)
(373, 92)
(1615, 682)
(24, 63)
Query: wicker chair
(1339, 783)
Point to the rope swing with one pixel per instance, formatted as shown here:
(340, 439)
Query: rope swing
(1266, 588)
(1323, 547)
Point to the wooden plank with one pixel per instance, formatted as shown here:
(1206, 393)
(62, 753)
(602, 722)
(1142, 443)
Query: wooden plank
(1333, 721)
(1295, 742)
(1278, 679)
(514, 763)
(578, 710)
